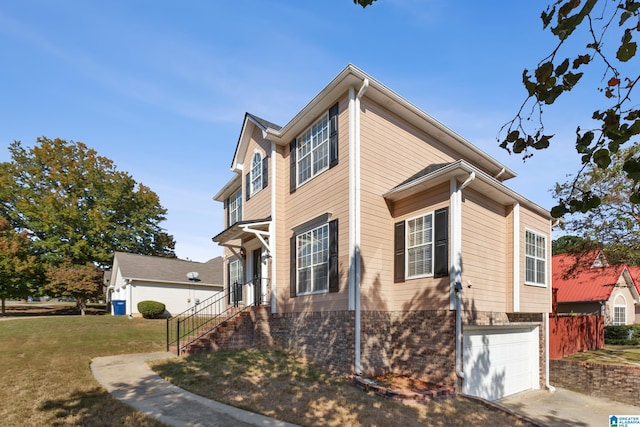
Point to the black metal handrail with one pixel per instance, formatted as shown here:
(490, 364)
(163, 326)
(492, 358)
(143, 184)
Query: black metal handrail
(190, 325)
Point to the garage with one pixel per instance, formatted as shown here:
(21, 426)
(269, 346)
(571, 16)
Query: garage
(499, 361)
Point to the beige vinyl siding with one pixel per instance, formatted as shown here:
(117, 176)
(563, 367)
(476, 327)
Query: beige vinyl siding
(621, 290)
(327, 192)
(485, 236)
(534, 299)
(259, 205)
(392, 151)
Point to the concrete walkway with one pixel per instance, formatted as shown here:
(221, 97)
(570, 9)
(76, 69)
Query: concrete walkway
(128, 378)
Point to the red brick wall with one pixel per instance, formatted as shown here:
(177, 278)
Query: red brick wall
(616, 382)
(572, 334)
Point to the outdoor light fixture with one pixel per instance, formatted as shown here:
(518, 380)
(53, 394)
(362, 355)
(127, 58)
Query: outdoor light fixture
(193, 275)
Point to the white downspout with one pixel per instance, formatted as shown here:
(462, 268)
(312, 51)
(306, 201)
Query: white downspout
(352, 199)
(356, 252)
(516, 257)
(456, 264)
(273, 229)
(546, 328)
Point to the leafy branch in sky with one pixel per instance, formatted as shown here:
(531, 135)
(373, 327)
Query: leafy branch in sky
(609, 28)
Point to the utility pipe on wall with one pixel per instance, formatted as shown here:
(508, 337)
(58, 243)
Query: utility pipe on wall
(457, 265)
(356, 223)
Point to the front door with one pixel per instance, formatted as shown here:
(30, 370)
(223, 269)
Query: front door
(257, 276)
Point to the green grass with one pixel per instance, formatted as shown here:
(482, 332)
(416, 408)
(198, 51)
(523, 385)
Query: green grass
(45, 376)
(610, 354)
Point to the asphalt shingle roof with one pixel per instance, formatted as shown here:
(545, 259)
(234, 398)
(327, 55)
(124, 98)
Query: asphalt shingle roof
(152, 268)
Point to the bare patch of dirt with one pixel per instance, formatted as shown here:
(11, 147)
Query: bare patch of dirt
(404, 383)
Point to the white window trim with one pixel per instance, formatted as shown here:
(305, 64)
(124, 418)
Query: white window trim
(321, 291)
(252, 177)
(622, 306)
(406, 246)
(546, 258)
(325, 116)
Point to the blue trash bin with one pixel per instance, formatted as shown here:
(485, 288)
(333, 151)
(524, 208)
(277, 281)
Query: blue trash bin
(119, 307)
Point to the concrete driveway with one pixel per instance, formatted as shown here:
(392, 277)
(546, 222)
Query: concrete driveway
(566, 408)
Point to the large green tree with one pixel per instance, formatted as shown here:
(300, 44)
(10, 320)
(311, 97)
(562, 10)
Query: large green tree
(17, 264)
(597, 37)
(615, 221)
(76, 206)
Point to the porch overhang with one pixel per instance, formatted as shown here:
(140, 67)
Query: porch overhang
(460, 170)
(233, 236)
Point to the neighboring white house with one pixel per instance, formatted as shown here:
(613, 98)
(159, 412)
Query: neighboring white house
(171, 281)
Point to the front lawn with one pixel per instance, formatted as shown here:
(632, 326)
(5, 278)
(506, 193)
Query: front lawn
(45, 376)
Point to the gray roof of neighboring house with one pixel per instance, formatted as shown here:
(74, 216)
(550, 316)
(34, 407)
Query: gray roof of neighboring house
(153, 268)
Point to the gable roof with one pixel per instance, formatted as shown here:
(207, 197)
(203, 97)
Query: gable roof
(577, 280)
(351, 77)
(172, 270)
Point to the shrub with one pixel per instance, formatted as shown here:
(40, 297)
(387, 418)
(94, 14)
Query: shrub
(151, 309)
(622, 335)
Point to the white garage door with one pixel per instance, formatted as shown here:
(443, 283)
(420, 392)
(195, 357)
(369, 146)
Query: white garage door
(498, 362)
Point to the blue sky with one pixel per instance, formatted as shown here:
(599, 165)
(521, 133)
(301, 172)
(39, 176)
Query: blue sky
(161, 87)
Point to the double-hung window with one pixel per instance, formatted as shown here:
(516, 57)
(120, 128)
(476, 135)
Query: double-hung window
(234, 208)
(256, 173)
(314, 259)
(535, 258)
(421, 246)
(313, 150)
(620, 311)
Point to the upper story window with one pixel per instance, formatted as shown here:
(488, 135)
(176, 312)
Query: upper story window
(535, 258)
(256, 173)
(234, 208)
(257, 178)
(315, 150)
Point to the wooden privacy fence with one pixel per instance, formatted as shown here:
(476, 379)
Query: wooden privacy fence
(571, 334)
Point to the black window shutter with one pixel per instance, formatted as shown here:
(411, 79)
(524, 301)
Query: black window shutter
(247, 186)
(441, 246)
(265, 171)
(333, 136)
(334, 279)
(293, 269)
(292, 161)
(398, 252)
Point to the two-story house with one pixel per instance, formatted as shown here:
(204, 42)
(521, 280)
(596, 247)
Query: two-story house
(382, 241)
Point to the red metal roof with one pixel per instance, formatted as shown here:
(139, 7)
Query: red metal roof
(577, 280)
